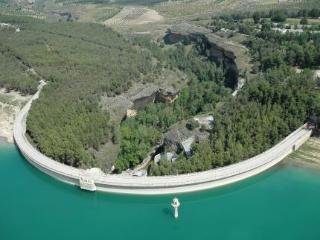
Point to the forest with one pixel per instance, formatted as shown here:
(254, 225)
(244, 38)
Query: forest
(267, 109)
(80, 62)
(247, 22)
(271, 106)
(205, 89)
(276, 15)
(273, 49)
(83, 62)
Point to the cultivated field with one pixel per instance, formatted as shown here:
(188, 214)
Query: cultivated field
(134, 16)
(203, 8)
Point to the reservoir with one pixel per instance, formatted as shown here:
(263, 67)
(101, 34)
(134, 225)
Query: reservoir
(282, 203)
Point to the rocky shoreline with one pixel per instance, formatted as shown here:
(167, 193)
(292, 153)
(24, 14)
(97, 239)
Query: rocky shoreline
(11, 103)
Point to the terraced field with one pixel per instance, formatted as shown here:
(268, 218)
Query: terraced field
(134, 16)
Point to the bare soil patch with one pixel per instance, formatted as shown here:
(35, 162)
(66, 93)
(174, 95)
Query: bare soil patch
(10, 105)
(134, 16)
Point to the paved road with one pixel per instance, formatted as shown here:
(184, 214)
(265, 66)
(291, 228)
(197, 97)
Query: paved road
(155, 185)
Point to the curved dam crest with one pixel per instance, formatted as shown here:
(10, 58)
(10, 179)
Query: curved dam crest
(154, 185)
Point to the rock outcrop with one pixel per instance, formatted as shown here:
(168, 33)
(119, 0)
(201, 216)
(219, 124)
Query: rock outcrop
(223, 52)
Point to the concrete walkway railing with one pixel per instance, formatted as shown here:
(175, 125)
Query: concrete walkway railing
(155, 185)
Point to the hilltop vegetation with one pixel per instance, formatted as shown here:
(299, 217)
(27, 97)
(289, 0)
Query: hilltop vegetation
(302, 50)
(81, 62)
(14, 75)
(202, 9)
(205, 89)
(267, 109)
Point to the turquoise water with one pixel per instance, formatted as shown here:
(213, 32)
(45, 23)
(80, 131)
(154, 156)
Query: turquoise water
(283, 203)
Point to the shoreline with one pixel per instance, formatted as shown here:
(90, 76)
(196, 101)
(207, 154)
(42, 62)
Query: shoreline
(11, 102)
(4, 140)
(5, 143)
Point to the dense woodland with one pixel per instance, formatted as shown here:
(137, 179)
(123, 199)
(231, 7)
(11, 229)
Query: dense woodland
(82, 62)
(267, 109)
(273, 49)
(276, 15)
(246, 22)
(204, 91)
(15, 74)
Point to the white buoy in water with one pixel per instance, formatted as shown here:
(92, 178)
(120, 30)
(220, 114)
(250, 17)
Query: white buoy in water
(175, 204)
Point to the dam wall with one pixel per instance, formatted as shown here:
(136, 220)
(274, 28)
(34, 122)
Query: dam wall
(154, 185)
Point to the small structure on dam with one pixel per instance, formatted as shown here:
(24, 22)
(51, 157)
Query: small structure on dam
(87, 184)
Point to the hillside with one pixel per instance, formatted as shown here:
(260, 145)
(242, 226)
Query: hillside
(157, 87)
(135, 10)
(81, 62)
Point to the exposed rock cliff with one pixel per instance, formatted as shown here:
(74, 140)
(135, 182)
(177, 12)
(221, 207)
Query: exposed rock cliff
(231, 55)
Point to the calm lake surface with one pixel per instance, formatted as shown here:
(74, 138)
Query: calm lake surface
(283, 203)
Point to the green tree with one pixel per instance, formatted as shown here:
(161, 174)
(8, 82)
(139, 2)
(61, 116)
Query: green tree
(304, 21)
(256, 17)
